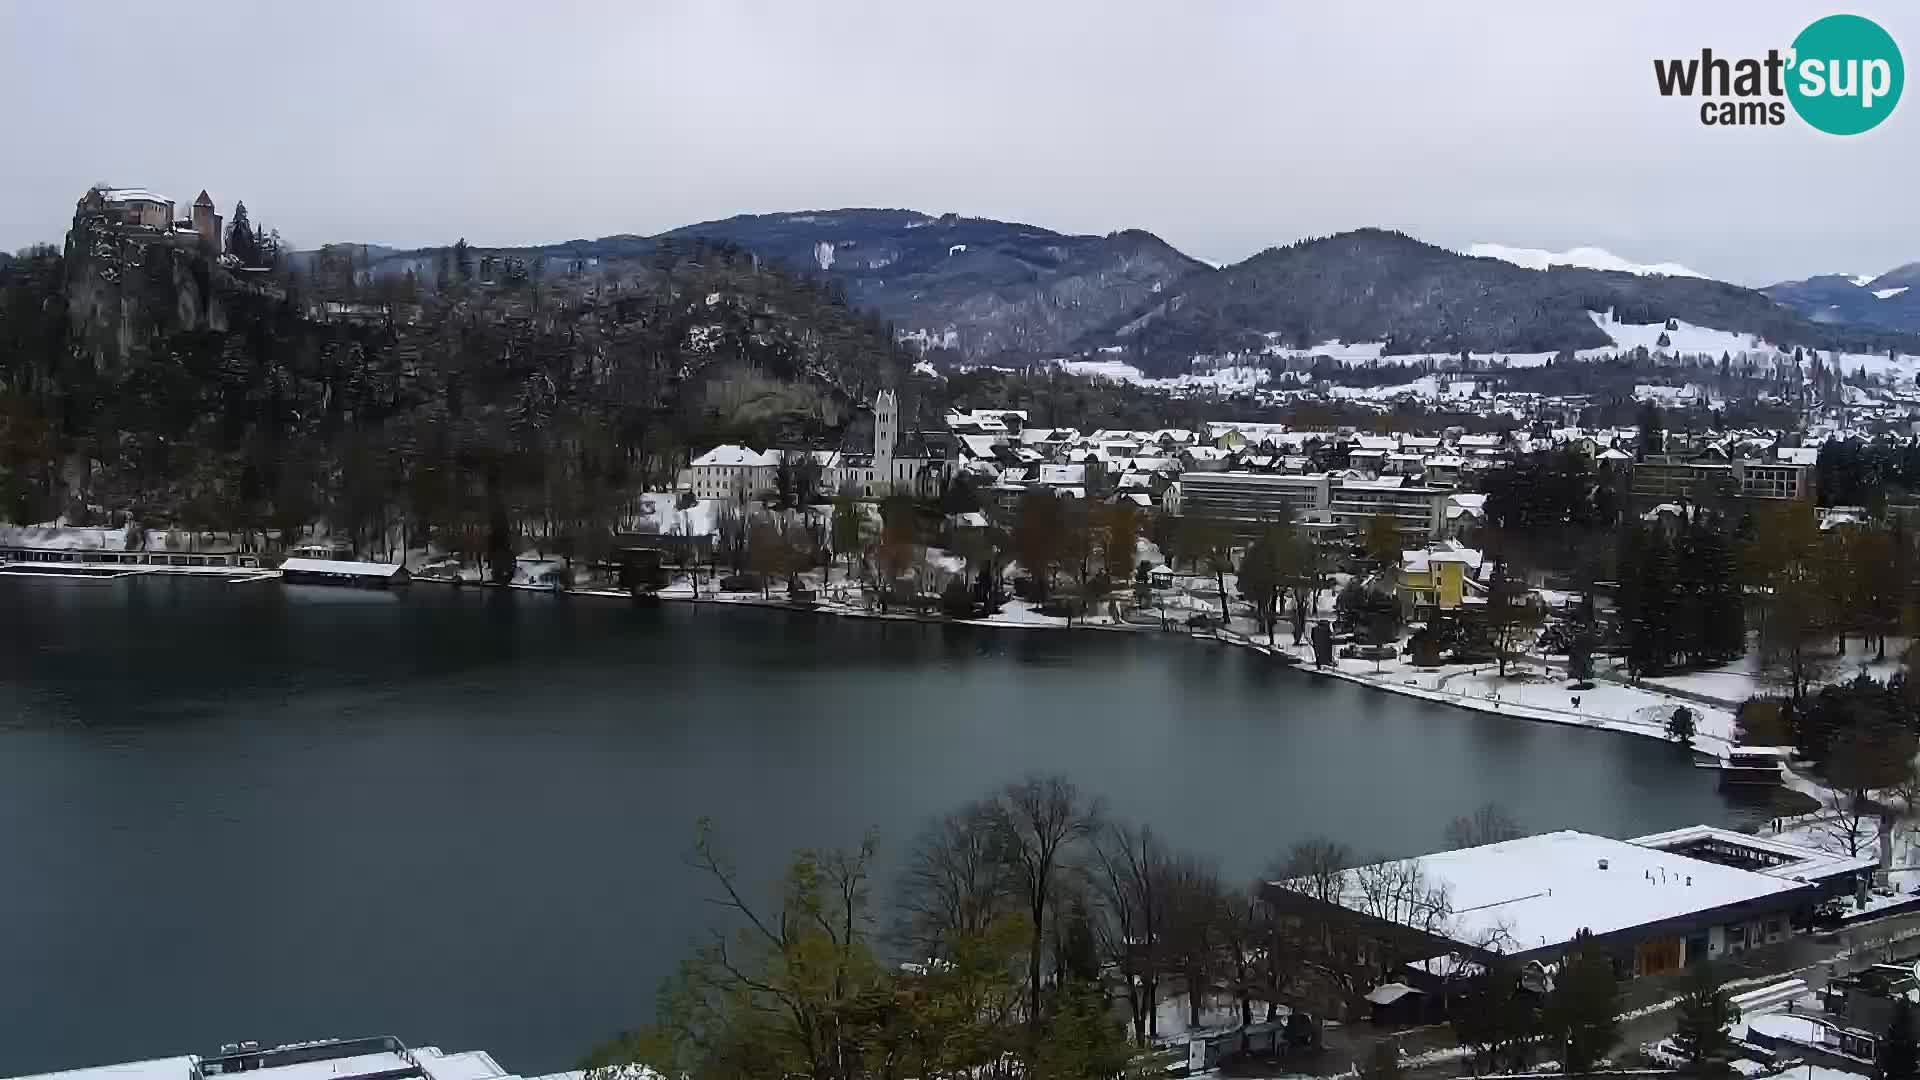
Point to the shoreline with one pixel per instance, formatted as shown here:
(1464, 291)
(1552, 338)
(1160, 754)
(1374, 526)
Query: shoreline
(1703, 742)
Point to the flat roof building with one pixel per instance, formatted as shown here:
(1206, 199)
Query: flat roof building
(1655, 903)
(1254, 497)
(381, 1057)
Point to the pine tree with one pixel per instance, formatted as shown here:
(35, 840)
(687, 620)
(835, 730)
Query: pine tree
(1701, 1029)
(1582, 1011)
(1649, 600)
(240, 239)
(463, 260)
(1899, 1056)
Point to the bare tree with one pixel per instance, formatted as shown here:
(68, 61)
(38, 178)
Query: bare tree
(1129, 871)
(1317, 868)
(1491, 824)
(1039, 820)
(1243, 936)
(955, 880)
(1194, 937)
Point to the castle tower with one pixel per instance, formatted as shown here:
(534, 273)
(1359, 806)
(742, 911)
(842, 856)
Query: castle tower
(886, 433)
(206, 222)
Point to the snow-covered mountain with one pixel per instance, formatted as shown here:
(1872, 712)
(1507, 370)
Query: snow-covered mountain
(1588, 258)
(1888, 299)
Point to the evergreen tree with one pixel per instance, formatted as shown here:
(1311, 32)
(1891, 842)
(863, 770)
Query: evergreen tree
(1582, 1012)
(463, 261)
(241, 243)
(1653, 431)
(1648, 601)
(1700, 1031)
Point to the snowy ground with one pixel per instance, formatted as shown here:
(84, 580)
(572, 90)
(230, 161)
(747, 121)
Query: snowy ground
(1743, 679)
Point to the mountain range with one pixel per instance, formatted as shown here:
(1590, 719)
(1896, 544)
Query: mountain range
(982, 289)
(1890, 300)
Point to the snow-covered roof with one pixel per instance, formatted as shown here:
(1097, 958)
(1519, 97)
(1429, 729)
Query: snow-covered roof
(340, 566)
(729, 454)
(1796, 861)
(173, 1068)
(1797, 455)
(133, 194)
(1612, 454)
(1538, 891)
(1388, 993)
(1384, 483)
(1058, 475)
(980, 446)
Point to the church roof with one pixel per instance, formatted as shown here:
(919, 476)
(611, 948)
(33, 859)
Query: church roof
(204, 199)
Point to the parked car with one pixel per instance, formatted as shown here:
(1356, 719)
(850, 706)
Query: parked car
(1368, 652)
(742, 583)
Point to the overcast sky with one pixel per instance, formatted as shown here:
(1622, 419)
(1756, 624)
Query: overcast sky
(1224, 127)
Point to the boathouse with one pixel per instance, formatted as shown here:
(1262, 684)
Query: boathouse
(365, 575)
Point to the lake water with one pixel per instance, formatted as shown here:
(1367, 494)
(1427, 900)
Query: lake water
(262, 812)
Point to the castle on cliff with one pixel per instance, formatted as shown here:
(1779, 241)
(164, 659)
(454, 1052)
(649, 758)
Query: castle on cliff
(143, 214)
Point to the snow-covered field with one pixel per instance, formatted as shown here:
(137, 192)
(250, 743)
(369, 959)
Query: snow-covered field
(1224, 380)
(1589, 258)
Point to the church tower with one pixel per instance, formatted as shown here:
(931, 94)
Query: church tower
(886, 433)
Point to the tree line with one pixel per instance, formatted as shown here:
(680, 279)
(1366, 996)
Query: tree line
(1031, 933)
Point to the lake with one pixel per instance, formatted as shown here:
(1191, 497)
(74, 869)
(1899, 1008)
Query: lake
(262, 812)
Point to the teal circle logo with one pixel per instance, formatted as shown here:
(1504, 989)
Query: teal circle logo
(1846, 74)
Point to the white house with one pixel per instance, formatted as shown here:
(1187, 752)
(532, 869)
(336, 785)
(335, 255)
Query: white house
(730, 472)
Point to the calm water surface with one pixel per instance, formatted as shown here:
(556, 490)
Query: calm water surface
(254, 812)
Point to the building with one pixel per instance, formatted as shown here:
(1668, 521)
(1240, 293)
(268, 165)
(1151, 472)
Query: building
(731, 472)
(1669, 477)
(136, 206)
(1655, 904)
(1251, 498)
(919, 463)
(147, 211)
(363, 575)
(1436, 579)
(379, 1058)
(1420, 511)
(1774, 479)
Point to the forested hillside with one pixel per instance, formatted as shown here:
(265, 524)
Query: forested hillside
(512, 397)
(1375, 285)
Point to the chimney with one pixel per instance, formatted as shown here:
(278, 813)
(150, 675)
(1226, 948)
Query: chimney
(1603, 864)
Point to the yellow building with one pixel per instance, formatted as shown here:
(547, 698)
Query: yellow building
(1437, 578)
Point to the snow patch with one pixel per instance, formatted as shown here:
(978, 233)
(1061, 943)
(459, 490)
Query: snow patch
(1589, 258)
(823, 254)
(1883, 294)
(956, 249)
(1226, 380)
